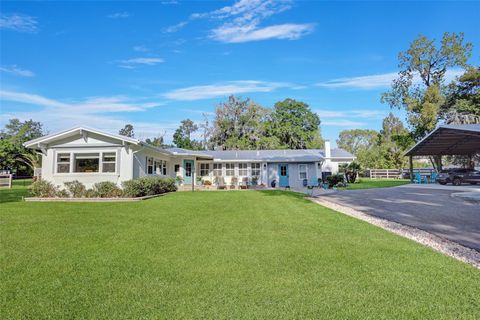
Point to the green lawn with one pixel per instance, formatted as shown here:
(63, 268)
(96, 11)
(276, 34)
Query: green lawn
(17, 192)
(218, 255)
(366, 183)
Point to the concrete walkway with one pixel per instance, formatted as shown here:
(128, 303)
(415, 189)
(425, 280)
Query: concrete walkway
(432, 209)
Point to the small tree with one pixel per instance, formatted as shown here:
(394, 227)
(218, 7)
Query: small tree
(127, 131)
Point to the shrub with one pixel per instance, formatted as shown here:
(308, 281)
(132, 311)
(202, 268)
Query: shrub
(107, 189)
(90, 193)
(334, 179)
(75, 188)
(62, 193)
(147, 186)
(43, 189)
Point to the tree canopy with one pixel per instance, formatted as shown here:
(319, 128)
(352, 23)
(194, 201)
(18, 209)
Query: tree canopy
(418, 88)
(13, 155)
(127, 131)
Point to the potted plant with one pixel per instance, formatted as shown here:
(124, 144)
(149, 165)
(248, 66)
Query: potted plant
(207, 184)
(199, 181)
(233, 182)
(254, 180)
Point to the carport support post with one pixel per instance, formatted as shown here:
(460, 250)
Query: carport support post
(410, 159)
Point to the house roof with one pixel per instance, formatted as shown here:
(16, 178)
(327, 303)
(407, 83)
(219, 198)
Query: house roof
(302, 155)
(35, 143)
(458, 139)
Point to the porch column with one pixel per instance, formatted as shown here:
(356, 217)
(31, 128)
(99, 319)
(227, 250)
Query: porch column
(410, 158)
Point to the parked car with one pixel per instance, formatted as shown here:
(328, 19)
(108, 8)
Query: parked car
(458, 176)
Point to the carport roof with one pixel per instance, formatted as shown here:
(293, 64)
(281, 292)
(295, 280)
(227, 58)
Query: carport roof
(460, 139)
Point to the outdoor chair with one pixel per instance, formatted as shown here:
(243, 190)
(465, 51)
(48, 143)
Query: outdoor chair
(419, 179)
(433, 177)
(221, 183)
(244, 183)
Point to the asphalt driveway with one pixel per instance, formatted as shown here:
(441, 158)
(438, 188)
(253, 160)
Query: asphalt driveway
(432, 210)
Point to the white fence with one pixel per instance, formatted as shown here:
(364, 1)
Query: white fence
(5, 181)
(396, 173)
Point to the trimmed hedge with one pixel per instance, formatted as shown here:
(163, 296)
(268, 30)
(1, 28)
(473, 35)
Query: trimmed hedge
(107, 189)
(145, 186)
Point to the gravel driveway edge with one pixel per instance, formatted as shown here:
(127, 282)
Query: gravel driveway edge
(444, 246)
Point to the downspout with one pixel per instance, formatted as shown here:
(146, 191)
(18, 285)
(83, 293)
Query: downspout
(133, 156)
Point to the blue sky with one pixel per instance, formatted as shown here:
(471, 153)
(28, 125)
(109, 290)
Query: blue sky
(152, 64)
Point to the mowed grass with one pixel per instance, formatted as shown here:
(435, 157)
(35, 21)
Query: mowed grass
(18, 191)
(366, 183)
(217, 255)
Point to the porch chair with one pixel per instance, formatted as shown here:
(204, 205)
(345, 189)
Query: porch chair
(244, 183)
(221, 183)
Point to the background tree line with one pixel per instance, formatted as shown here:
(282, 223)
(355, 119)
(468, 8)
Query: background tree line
(242, 124)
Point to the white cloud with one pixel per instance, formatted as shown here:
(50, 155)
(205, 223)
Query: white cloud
(91, 105)
(18, 22)
(119, 15)
(135, 62)
(223, 89)
(238, 34)
(378, 81)
(93, 111)
(175, 27)
(241, 22)
(13, 69)
(362, 82)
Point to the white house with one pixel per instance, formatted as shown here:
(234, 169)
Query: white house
(89, 156)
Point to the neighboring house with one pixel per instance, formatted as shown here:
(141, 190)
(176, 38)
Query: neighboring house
(91, 156)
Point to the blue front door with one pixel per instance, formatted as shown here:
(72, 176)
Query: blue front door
(283, 175)
(187, 171)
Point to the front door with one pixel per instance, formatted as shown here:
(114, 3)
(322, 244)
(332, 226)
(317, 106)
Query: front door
(283, 174)
(187, 171)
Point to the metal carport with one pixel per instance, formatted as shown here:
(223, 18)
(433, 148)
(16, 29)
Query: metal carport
(459, 139)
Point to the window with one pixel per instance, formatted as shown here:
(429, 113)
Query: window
(164, 167)
(87, 162)
(255, 169)
(204, 169)
(109, 161)
(188, 169)
(217, 169)
(157, 165)
(63, 163)
(176, 168)
(302, 171)
(149, 165)
(242, 169)
(230, 169)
